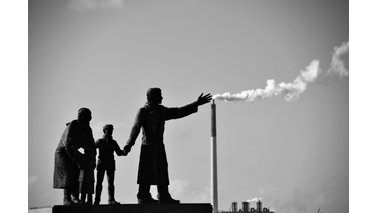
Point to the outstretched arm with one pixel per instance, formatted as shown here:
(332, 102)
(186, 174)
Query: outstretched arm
(179, 112)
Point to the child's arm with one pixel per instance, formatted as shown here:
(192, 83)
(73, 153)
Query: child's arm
(118, 150)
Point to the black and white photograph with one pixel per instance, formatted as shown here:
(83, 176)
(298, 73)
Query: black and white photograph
(199, 106)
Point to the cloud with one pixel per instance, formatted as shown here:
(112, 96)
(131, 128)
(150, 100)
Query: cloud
(188, 192)
(85, 5)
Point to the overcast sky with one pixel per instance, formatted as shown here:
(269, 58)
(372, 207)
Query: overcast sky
(104, 55)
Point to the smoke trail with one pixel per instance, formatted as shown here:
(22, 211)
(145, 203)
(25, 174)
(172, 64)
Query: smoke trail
(338, 65)
(255, 199)
(293, 90)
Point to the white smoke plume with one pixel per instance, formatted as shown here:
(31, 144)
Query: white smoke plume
(338, 65)
(255, 199)
(293, 90)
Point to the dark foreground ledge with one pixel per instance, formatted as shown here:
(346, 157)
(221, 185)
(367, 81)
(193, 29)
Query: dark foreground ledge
(128, 208)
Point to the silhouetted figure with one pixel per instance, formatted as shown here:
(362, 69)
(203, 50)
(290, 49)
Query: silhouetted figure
(153, 166)
(86, 177)
(68, 159)
(106, 147)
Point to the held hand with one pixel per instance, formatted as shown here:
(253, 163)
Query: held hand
(204, 99)
(126, 149)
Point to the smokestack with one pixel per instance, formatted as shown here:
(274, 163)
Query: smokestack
(259, 206)
(234, 207)
(213, 148)
(245, 206)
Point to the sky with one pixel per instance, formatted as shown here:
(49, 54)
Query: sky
(104, 55)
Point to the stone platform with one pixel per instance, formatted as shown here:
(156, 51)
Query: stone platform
(128, 208)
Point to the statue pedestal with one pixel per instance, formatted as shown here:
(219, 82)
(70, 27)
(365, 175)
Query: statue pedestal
(128, 208)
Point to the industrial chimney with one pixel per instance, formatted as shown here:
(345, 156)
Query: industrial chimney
(234, 207)
(245, 206)
(259, 206)
(213, 148)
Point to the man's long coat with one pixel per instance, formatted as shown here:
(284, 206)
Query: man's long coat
(153, 165)
(67, 157)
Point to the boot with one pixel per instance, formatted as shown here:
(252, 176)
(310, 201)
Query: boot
(67, 198)
(98, 195)
(89, 200)
(144, 195)
(82, 197)
(111, 199)
(164, 196)
(75, 196)
(167, 199)
(146, 199)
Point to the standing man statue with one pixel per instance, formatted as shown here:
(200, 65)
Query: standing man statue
(68, 160)
(153, 165)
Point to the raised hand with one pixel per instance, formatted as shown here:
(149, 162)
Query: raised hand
(204, 99)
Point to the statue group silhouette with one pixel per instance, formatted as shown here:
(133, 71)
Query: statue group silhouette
(74, 171)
